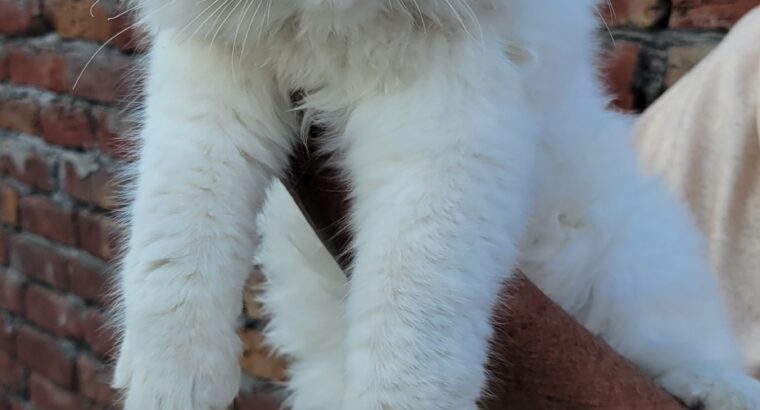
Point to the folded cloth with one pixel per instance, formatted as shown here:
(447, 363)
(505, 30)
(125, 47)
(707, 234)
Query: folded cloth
(702, 137)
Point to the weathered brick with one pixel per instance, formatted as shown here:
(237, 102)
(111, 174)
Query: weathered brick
(8, 332)
(94, 380)
(55, 313)
(96, 234)
(97, 334)
(709, 14)
(66, 124)
(11, 292)
(48, 396)
(41, 216)
(38, 260)
(20, 17)
(681, 59)
(638, 13)
(18, 113)
(46, 356)
(80, 19)
(96, 188)
(619, 70)
(112, 133)
(104, 79)
(8, 205)
(12, 374)
(35, 66)
(35, 171)
(88, 281)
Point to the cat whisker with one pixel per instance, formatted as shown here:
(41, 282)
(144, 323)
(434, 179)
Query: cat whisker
(237, 32)
(422, 16)
(611, 8)
(458, 17)
(92, 7)
(261, 26)
(223, 22)
(250, 26)
(123, 13)
(473, 17)
(606, 27)
(203, 23)
(269, 10)
(225, 6)
(108, 42)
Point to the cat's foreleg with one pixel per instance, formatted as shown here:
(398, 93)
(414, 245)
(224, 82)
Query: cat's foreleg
(210, 145)
(441, 174)
(656, 300)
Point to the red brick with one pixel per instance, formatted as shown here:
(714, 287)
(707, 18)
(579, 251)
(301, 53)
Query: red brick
(34, 66)
(619, 70)
(79, 19)
(639, 13)
(97, 188)
(41, 216)
(67, 125)
(17, 17)
(96, 234)
(38, 260)
(104, 80)
(8, 205)
(709, 14)
(87, 280)
(34, 172)
(46, 356)
(257, 401)
(53, 312)
(12, 374)
(112, 133)
(258, 360)
(681, 59)
(97, 334)
(94, 380)
(8, 333)
(11, 292)
(48, 396)
(19, 113)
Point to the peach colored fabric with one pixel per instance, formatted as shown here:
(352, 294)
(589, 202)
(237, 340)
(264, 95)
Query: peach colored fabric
(702, 138)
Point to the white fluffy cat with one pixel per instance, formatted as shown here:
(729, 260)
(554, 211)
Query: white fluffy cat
(476, 139)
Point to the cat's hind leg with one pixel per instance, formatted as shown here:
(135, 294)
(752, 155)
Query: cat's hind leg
(616, 250)
(303, 296)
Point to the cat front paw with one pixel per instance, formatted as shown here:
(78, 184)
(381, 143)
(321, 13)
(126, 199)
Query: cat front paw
(712, 388)
(176, 379)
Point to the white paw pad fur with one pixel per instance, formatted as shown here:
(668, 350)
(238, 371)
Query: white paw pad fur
(712, 389)
(154, 382)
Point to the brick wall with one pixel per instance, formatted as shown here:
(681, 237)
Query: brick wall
(59, 151)
(658, 41)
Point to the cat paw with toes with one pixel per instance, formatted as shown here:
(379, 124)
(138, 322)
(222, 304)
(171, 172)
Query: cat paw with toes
(711, 389)
(156, 382)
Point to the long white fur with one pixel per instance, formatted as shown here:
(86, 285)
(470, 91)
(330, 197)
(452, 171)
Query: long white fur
(475, 137)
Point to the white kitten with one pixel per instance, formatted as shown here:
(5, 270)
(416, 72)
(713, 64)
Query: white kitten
(463, 160)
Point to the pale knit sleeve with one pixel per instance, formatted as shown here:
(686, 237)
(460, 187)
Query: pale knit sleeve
(702, 138)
